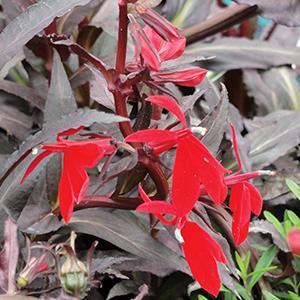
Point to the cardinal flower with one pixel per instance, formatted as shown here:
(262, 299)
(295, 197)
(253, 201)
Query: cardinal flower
(194, 164)
(155, 50)
(244, 199)
(78, 155)
(201, 251)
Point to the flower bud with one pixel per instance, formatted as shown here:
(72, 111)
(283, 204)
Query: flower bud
(293, 239)
(73, 275)
(161, 25)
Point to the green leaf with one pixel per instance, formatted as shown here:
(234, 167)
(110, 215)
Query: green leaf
(294, 187)
(202, 298)
(243, 292)
(269, 296)
(293, 296)
(293, 217)
(264, 262)
(271, 218)
(243, 264)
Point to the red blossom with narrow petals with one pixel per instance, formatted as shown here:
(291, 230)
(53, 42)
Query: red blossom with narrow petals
(78, 155)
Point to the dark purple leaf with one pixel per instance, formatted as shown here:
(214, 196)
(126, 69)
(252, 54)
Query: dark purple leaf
(14, 121)
(125, 230)
(280, 133)
(216, 123)
(60, 100)
(26, 25)
(26, 93)
(265, 227)
(240, 53)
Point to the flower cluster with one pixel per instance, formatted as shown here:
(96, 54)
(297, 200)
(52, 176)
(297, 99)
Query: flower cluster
(196, 171)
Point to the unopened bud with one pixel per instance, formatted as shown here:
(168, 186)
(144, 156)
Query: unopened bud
(73, 276)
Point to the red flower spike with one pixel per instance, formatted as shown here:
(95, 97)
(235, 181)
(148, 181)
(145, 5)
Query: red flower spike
(293, 239)
(161, 25)
(190, 77)
(240, 204)
(203, 253)
(170, 105)
(77, 156)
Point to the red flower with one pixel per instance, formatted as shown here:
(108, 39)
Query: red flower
(244, 199)
(78, 155)
(187, 176)
(203, 253)
(154, 50)
(293, 239)
(161, 25)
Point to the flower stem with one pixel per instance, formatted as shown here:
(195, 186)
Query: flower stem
(122, 37)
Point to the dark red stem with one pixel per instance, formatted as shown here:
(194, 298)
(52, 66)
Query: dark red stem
(122, 37)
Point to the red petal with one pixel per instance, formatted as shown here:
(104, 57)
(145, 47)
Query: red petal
(256, 199)
(186, 181)
(170, 105)
(155, 138)
(34, 164)
(172, 50)
(85, 154)
(65, 195)
(68, 132)
(190, 78)
(144, 196)
(203, 168)
(153, 37)
(157, 207)
(240, 204)
(202, 253)
(78, 177)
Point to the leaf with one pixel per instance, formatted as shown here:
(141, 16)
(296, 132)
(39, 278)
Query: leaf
(264, 262)
(271, 218)
(269, 296)
(286, 12)
(126, 231)
(60, 100)
(216, 122)
(122, 288)
(273, 140)
(10, 187)
(36, 217)
(14, 121)
(25, 26)
(266, 227)
(294, 187)
(24, 92)
(274, 89)
(240, 53)
(9, 258)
